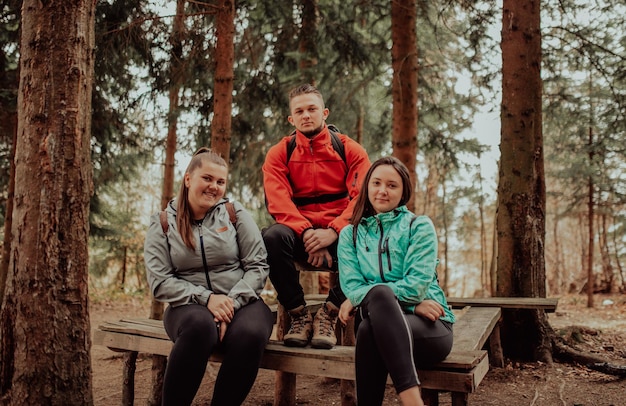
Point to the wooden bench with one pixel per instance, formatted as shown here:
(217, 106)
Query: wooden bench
(460, 373)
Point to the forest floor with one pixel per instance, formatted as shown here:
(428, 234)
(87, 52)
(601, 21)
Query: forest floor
(600, 330)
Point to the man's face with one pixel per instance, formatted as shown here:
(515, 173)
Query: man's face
(308, 114)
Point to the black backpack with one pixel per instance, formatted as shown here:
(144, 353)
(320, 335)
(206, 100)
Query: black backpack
(334, 138)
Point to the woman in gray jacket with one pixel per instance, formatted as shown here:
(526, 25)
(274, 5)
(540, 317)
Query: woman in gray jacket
(211, 272)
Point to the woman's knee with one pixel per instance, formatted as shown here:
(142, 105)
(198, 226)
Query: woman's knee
(194, 322)
(381, 293)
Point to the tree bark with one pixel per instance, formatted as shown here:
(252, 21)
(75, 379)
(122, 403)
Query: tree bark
(521, 188)
(307, 41)
(223, 82)
(404, 85)
(44, 320)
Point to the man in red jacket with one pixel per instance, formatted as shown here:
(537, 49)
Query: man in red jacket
(310, 192)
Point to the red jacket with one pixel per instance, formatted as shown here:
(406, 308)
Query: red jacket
(315, 170)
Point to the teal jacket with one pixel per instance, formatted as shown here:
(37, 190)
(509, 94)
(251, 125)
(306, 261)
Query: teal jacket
(397, 249)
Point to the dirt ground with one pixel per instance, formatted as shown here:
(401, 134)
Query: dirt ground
(602, 331)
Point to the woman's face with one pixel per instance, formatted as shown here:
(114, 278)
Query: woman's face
(384, 189)
(207, 185)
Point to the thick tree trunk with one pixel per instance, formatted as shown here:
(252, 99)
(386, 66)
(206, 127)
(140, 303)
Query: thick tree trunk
(521, 188)
(404, 86)
(44, 321)
(223, 82)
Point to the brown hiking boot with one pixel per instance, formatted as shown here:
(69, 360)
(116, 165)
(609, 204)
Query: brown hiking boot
(299, 333)
(324, 327)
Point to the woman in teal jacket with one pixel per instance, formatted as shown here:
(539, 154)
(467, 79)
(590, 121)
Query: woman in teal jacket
(387, 260)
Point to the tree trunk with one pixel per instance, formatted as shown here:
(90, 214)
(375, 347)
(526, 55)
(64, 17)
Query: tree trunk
(521, 188)
(404, 85)
(44, 320)
(590, 227)
(223, 86)
(307, 41)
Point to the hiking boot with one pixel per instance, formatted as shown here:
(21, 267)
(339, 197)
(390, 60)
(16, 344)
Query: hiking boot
(299, 333)
(324, 327)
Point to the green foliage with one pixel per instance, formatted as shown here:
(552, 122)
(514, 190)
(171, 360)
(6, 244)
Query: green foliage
(117, 250)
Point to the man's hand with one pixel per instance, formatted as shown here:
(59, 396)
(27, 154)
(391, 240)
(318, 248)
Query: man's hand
(317, 258)
(429, 309)
(316, 239)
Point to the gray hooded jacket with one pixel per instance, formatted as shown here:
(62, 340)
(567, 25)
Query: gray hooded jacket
(236, 258)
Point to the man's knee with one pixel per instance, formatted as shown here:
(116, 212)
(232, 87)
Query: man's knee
(277, 235)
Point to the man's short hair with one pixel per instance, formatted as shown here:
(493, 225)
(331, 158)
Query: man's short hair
(305, 89)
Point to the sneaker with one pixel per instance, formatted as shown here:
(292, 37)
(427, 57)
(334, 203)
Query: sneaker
(324, 327)
(299, 333)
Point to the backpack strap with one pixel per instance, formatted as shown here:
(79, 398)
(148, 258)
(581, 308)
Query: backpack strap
(334, 138)
(231, 212)
(337, 144)
(164, 225)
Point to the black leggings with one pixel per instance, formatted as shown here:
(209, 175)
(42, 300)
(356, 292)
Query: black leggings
(391, 342)
(195, 337)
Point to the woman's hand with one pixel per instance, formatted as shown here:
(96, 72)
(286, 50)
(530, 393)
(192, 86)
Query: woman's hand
(222, 327)
(222, 307)
(346, 312)
(429, 309)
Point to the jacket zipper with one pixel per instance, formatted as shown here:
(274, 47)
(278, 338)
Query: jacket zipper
(381, 251)
(206, 267)
(356, 175)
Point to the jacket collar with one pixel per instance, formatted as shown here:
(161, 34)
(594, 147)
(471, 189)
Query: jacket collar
(384, 217)
(322, 136)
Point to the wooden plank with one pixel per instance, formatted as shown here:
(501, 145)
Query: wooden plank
(546, 304)
(338, 356)
(472, 330)
(455, 381)
(119, 341)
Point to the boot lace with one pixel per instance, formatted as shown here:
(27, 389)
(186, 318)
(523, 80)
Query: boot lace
(326, 324)
(298, 323)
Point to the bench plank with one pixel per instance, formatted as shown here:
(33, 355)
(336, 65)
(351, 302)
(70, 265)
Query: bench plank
(473, 328)
(539, 303)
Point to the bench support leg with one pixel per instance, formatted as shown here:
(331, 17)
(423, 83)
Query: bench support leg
(496, 355)
(430, 397)
(348, 388)
(285, 389)
(128, 386)
(159, 363)
(459, 398)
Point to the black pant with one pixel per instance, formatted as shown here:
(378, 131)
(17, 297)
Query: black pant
(283, 248)
(195, 337)
(388, 341)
